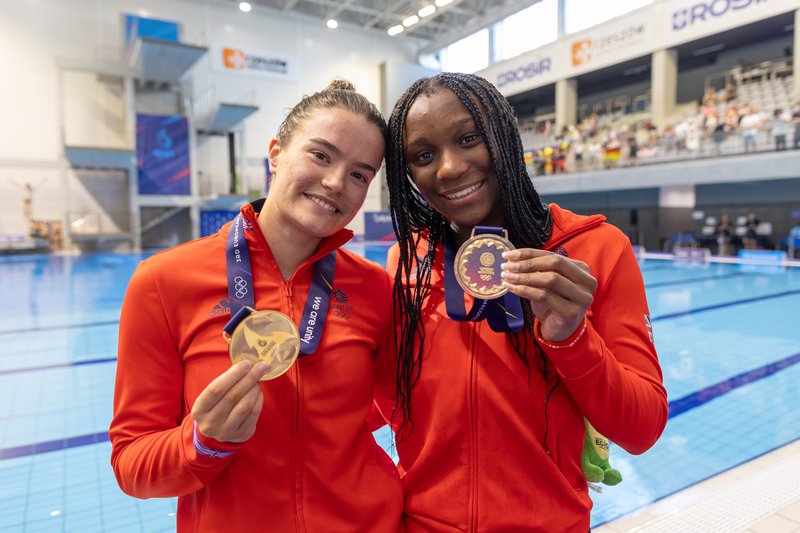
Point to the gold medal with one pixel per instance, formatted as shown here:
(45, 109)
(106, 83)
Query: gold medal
(268, 336)
(477, 265)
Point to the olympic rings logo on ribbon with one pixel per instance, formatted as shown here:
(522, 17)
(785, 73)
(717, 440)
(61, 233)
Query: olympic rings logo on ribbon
(240, 286)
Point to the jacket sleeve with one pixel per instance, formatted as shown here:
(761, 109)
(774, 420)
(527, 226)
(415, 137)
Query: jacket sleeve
(155, 449)
(611, 368)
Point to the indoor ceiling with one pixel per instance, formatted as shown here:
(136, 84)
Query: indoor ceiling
(447, 24)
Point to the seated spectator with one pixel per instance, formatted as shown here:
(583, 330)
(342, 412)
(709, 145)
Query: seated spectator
(728, 94)
(709, 98)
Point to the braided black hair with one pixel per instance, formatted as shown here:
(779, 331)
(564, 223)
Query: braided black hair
(527, 219)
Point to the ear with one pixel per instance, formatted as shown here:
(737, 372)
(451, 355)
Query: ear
(274, 151)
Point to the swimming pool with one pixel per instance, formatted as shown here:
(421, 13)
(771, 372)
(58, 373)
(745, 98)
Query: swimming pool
(727, 335)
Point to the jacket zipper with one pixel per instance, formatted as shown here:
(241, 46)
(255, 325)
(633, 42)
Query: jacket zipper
(295, 440)
(473, 447)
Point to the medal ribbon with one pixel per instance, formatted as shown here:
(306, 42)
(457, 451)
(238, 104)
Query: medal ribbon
(503, 314)
(240, 289)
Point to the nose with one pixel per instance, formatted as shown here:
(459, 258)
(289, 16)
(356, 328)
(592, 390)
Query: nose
(334, 180)
(451, 165)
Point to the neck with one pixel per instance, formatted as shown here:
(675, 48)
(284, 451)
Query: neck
(460, 234)
(289, 249)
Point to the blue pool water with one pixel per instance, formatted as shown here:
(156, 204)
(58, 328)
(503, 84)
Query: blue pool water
(727, 336)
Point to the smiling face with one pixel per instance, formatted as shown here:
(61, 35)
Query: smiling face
(450, 163)
(322, 173)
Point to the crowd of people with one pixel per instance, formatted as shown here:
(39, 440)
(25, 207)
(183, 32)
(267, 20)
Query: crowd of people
(608, 141)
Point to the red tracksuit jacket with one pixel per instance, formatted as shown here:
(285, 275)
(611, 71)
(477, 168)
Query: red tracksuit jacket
(312, 465)
(484, 455)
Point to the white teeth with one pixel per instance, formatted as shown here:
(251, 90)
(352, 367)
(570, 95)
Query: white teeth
(465, 192)
(323, 204)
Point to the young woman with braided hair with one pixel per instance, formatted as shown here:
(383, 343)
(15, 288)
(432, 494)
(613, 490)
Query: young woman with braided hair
(489, 414)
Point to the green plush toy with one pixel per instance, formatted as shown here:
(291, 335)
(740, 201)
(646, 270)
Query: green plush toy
(594, 459)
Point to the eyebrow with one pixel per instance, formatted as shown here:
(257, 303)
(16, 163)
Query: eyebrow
(330, 146)
(457, 124)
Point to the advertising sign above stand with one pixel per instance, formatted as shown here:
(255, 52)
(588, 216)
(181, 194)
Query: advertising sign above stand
(527, 71)
(256, 63)
(688, 20)
(607, 44)
(659, 26)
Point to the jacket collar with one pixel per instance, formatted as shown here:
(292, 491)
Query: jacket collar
(258, 243)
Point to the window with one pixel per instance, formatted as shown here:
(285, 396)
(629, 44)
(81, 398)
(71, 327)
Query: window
(470, 54)
(526, 30)
(582, 14)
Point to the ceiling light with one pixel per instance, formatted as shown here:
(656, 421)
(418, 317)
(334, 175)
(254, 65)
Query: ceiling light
(394, 30)
(427, 10)
(442, 3)
(245, 6)
(410, 21)
(332, 24)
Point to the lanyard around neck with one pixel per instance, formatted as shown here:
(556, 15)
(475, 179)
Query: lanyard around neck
(240, 287)
(503, 314)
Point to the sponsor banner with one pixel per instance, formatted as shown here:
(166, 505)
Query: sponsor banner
(378, 226)
(162, 154)
(249, 62)
(618, 40)
(526, 71)
(687, 20)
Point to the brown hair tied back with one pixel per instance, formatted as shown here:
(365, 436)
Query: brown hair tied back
(339, 84)
(339, 94)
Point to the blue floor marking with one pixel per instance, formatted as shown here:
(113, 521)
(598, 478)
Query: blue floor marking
(61, 365)
(694, 280)
(689, 402)
(53, 445)
(676, 408)
(61, 326)
(726, 304)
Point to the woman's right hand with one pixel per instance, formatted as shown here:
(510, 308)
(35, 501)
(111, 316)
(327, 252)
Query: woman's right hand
(228, 408)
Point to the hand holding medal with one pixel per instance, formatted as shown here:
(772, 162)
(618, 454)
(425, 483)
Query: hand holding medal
(228, 408)
(560, 289)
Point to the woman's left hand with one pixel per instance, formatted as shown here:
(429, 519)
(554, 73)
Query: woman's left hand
(560, 289)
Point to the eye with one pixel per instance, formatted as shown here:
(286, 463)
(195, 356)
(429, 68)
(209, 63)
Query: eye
(320, 156)
(471, 139)
(360, 177)
(422, 158)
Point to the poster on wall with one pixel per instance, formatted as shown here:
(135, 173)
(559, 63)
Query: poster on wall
(164, 30)
(162, 154)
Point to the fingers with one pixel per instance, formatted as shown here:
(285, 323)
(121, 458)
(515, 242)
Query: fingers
(220, 386)
(557, 275)
(533, 260)
(229, 406)
(559, 289)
